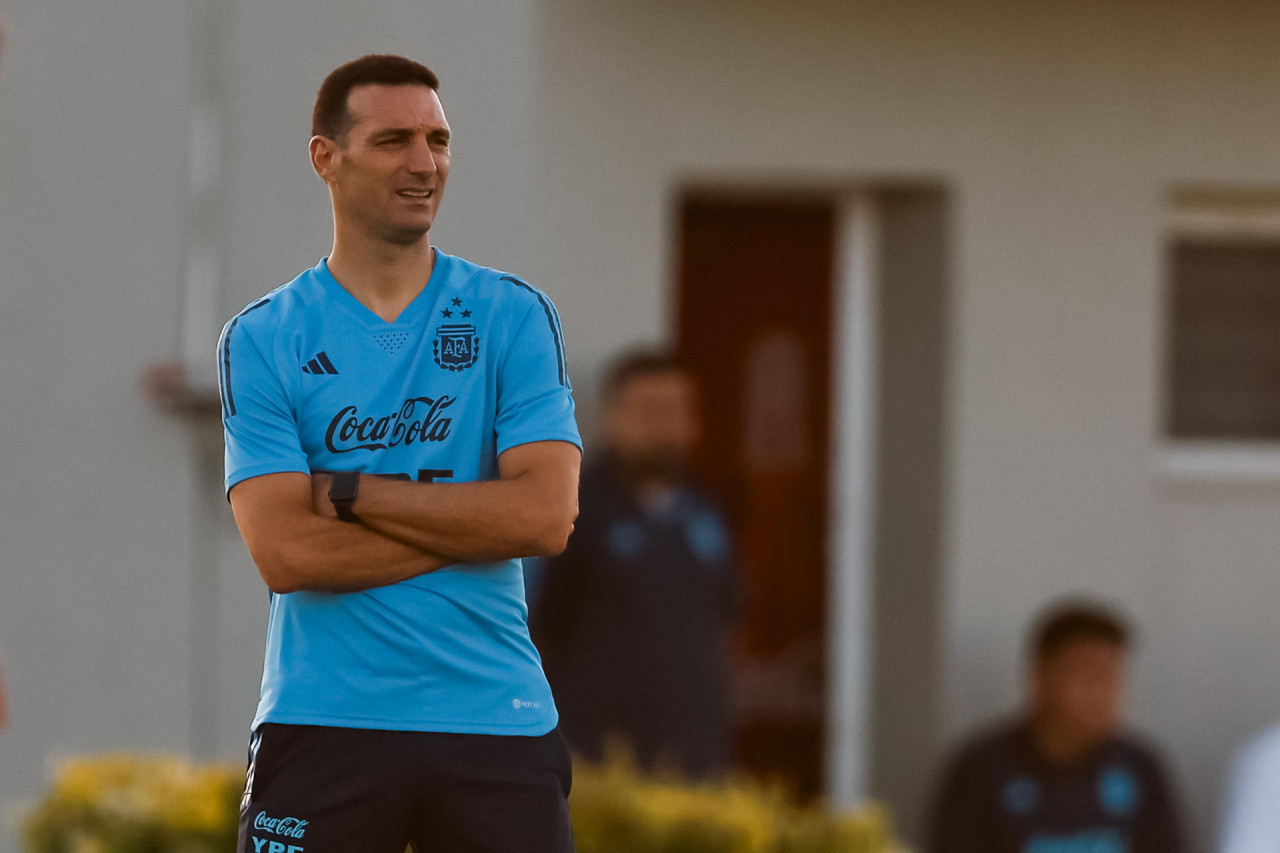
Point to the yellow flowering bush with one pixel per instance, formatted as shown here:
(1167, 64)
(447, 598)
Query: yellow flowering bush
(617, 810)
(158, 804)
(137, 804)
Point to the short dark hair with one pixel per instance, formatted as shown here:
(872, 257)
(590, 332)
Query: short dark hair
(330, 117)
(1066, 622)
(634, 363)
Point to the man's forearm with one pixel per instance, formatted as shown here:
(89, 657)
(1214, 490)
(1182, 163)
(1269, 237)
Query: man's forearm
(327, 555)
(472, 522)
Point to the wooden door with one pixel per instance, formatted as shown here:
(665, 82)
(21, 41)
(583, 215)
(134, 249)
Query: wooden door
(754, 296)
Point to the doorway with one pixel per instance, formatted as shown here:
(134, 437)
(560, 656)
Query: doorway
(754, 326)
(817, 328)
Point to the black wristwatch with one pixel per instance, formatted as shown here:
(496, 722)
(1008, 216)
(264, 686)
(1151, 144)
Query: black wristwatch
(342, 494)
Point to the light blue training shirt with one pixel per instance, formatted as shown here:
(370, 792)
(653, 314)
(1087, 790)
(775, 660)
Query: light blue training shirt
(312, 380)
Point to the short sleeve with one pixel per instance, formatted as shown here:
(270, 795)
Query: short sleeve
(258, 423)
(534, 397)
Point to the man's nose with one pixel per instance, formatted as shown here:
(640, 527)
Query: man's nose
(421, 158)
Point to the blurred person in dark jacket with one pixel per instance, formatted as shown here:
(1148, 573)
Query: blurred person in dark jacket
(1061, 777)
(633, 619)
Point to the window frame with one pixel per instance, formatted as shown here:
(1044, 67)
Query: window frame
(1208, 216)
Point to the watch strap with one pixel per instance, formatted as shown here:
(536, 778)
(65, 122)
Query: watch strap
(343, 489)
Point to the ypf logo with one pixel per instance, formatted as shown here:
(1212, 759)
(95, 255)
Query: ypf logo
(1118, 791)
(263, 845)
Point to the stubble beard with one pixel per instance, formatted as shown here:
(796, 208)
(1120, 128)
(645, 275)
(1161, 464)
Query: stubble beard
(405, 237)
(661, 465)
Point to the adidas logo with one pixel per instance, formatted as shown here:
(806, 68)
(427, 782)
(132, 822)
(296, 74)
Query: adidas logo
(319, 366)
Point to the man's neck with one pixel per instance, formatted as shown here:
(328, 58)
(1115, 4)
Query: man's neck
(385, 277)
(654, 496)
(650, 492)
(1059, 744)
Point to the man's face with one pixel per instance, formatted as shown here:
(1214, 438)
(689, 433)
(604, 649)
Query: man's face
(652, 424)
(1081, 687)
(388, 172)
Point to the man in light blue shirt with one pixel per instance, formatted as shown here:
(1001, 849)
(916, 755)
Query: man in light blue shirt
(399, 433)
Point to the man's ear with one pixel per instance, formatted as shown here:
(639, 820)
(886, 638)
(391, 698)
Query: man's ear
(324, 156)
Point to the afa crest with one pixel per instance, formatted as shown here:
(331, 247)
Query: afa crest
(456, 347)
(1118, 791)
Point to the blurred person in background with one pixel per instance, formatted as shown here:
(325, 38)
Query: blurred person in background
(1061, 777)
(633, 620)
(1252, 814)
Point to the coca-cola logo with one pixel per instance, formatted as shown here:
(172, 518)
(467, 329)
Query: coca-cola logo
(286, 827)
(419, 419)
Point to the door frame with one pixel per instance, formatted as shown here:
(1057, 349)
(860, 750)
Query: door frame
(851, 505)
(851, 516)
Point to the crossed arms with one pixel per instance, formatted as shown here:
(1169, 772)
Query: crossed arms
(406, 528)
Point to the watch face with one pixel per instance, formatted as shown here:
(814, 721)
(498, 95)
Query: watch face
(342, 494)
(344, 486)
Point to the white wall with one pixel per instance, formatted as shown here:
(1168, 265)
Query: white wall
(94, 485)
(1059, 131)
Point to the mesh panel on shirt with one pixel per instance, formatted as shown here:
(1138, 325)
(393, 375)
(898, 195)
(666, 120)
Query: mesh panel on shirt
(391, 342)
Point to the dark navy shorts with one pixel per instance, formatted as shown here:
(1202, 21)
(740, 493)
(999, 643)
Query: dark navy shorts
(319, 789)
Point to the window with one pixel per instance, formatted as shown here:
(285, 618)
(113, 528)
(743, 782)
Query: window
(1224, 294)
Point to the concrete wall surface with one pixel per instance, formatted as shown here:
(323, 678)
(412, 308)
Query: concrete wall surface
(1059, 133)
